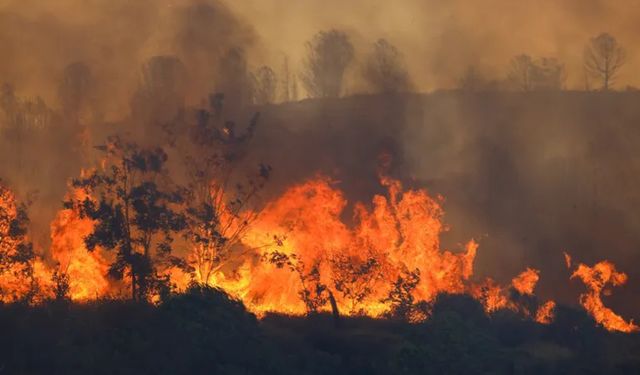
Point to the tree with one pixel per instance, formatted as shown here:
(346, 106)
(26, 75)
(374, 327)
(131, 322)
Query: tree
(76, 90)
(134, 208)
(354, 277)
(521, 71)
(528, 74)
(314, 293)
(401, 300)
(547, 74)
(234, 80)
(16, 252)
(265, 85)
(385, 69)
(161, 91)
(603, 58)
(329, 54)
(217, 208)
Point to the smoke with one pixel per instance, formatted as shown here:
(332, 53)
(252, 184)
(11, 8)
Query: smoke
(109, 59)
(441, 39)
(528, 176)
(115, 38)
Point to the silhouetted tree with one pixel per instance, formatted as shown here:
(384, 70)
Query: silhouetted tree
(265, 85)
(314, 293)
(76, 90)
(329, 54)
(401, 300)
(528, 74)
(603, 58)
(521, 71)
(16, 252)
(134, 208)
(548, 74)
(234, 80)
(218, 205)
(354, 278)
(385, 69)
(161, 92)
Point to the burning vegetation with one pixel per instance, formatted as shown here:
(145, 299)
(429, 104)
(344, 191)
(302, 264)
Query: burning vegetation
(293, 255)
(154, 216)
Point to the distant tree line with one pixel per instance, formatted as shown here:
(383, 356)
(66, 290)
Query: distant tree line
(603, 59)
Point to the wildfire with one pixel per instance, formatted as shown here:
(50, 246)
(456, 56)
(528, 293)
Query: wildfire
(596, 278)
(357, 264)
(545, 313)
(23, 275)
(526, 282)
(300, 255)
(87, 271)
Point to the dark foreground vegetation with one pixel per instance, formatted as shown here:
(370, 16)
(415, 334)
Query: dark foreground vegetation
(206, 332)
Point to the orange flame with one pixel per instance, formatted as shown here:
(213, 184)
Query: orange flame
(400, 232)
(526, 282)
(545, 312)
(87, 271)
(596, 278)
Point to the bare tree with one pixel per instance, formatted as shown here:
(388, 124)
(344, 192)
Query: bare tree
(219, 200)
(265, 84)
(520, 72)
(603, 58)
(385, 69)
(329, 54)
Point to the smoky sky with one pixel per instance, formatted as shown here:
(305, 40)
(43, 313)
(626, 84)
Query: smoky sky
(439, 39)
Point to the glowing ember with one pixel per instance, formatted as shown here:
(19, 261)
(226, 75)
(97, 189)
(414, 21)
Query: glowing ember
(596, 278)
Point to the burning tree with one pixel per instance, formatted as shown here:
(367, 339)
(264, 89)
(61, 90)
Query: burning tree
(134, 208)
(218, 205)
(401, 299)
(355, 278)
(313, 292)
(16, 252)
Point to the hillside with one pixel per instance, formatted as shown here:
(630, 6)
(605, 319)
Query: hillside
(528, 175)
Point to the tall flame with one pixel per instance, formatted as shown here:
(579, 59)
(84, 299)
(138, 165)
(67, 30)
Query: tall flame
(596, 278)
(87, 271)
(400, 232)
